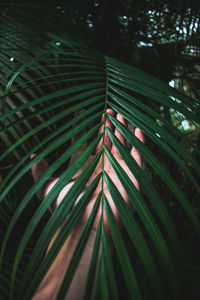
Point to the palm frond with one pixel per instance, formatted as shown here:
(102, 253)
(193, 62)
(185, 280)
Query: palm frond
(39, 98)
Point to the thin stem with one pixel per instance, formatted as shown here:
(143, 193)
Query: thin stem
(104, 122)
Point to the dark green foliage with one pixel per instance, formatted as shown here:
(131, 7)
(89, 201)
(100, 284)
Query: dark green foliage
(49, 70)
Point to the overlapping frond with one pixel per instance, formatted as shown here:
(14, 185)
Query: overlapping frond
(39, 100)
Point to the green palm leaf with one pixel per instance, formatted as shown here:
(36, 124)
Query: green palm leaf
(39, 98)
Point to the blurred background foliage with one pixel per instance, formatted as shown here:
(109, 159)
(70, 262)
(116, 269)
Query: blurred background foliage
(161, 38)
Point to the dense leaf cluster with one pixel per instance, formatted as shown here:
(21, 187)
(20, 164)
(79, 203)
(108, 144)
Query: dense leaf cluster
(63, 58)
